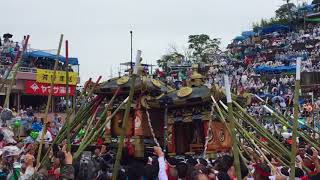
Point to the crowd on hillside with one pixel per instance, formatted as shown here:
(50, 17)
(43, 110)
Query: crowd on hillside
(254, 65)
(280, 48)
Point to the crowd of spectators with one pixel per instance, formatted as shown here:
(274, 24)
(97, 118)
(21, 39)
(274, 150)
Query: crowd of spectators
(279, 48)
(243, 63)
(9, 50)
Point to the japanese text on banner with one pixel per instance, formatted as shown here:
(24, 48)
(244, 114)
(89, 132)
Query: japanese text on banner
(44, 76)
(32, 87)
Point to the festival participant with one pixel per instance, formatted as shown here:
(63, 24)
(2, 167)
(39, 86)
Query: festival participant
(199, 175)
(162, 167)
(261, 172)
(53, 129)
(10, 159)
(47, 137)
(28, 167)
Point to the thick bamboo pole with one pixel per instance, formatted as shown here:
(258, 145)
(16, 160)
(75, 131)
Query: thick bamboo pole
(295, 120)
(44, 129)
(263, 132)
(227, 125)
(232, 127)
(125, 118)
(260, 130)
(285, 122)
(252, 141)
(18, 62)
(249, 137)
(67, 97)
(245, 134)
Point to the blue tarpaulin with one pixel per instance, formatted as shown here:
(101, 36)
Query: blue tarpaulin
(274, 28)
(248, 33)
(307, 7)
(239, 38)
(42, 54)
(294, 57)
(278, 69)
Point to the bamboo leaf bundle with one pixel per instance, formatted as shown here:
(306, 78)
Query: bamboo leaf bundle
(85, 109)
(232, 128)
(97, 132)
(81, 116)
(245, 134)
(68, 115)
(105, 111)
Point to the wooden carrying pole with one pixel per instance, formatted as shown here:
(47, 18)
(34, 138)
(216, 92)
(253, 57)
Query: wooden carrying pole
(18, 62)
(44, 129)
(126, 116)
(295, 120)
(67, 97)
(232, 127)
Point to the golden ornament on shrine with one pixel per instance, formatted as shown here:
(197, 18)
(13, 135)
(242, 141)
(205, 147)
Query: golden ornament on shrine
(156, 83)
(123, 80)
(185, 91)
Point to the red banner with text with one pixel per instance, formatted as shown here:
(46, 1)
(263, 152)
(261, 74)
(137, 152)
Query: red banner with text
(43, 89)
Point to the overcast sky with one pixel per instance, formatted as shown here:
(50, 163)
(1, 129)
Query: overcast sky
(98, 30)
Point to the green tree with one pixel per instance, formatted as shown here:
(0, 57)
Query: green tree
(171, 58)
(203, 47)
(286, 11)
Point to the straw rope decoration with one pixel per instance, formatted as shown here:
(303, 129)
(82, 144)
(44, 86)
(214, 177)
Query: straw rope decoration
(208, 131)
(151, 129)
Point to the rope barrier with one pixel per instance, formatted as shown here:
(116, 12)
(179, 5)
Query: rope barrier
(208, 131)
(151, 129)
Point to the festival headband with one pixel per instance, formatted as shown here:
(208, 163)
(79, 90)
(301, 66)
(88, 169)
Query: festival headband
(261, 171)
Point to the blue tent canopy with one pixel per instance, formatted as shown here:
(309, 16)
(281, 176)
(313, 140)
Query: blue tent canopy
(307, 7)
(239, 38)
(274, 28)
(248, 33)
(294, 57)
(42, 54)
(278, 69)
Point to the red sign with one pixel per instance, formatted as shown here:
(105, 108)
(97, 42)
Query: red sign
(33, 87)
